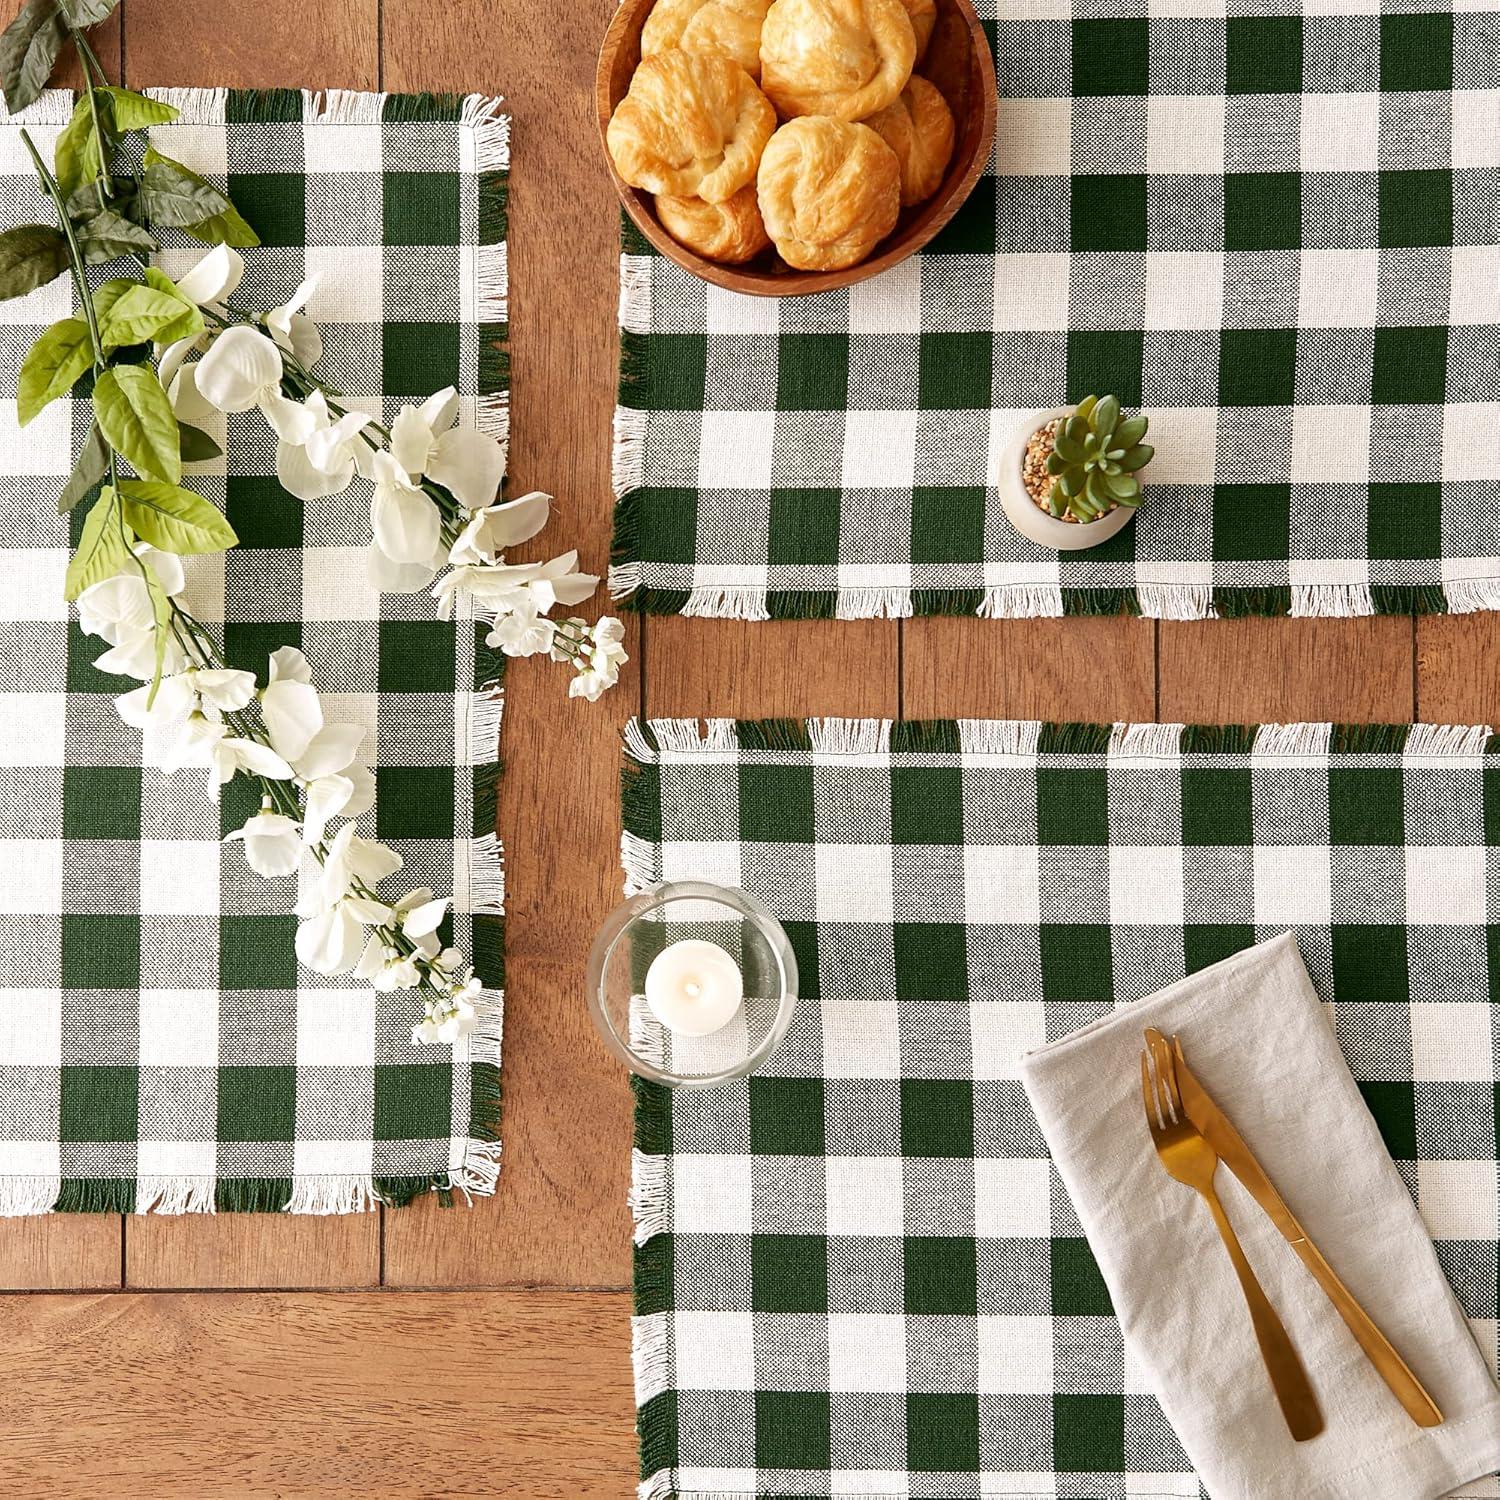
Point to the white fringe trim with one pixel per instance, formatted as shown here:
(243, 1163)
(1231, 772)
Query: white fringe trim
(681, 736)
(492, 270)
(642, 870)
(1332, 599)
(849, 736)
(341, 107)
(649, 1195)
(635, 293)
(731, 604)
(1466, 595)
(487, 875)
(999, 736)
(50, 107)
(484, 115)
(1020, 601)
(1145, 741)
(26, 1197)
(193, 106)
(624, 579)
(650, 1355)
(175, 1195)
(486, 710)
(627, 465)
(1446, 739)
(1175, 601)
(660, 1486)
(1293, 739)
(327, 1193)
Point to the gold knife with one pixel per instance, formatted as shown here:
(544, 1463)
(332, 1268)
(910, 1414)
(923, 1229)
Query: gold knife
(1220, 1133)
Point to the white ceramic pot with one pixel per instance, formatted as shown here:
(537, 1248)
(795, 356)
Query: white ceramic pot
(1023, 512)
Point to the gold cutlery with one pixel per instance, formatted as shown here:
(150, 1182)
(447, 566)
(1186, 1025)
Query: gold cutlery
(1231, 1149)
(1188, 1157)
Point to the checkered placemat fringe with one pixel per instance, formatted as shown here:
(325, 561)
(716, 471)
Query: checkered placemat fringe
(856, 1273)
(1274, 230)
(159, 1046)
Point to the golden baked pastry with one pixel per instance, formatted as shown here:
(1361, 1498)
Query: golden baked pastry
(918, 127)
(845, 58)
(732, 231)
(693, 123)
(829, 192)
(923, 14)
(728, 26)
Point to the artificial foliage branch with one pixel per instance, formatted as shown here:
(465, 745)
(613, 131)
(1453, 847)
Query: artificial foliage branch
(155, 358)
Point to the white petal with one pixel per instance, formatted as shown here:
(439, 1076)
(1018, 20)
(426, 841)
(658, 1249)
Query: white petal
(256, 758)
(396, 578)
(331, 943)
(273, 857)
(362, 799)
(471, 464)
(370, 913)
(238, 367)
(411, 440)
(440, 410)
(574, 588)
(520, 519)
(328, 447)
(301, 477)
(372, 861)
(214, 277)
(425, 918)
(187, 402)
(167, 567)
(306, 340)
(133, 655)
(406, 524)
(293, 716)
(169, 361)
(225, 688)
(329, 751)
(288, 664)
(326, 798)
(290, 420)
(174, 698)
(372, 959)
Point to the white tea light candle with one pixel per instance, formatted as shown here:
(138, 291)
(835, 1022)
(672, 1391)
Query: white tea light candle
(694, 987)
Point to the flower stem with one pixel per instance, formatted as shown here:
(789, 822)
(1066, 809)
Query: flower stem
(85, 56)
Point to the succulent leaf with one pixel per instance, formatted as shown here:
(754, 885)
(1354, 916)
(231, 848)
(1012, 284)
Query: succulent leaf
(1138, 457)
(1094, 457)
(1105, 415)
(1130, 431)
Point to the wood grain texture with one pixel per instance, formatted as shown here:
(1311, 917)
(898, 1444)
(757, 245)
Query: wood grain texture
(1457, 678)
(252, 1250)
(1098, 669)
(274, 1394)
(1269, 671)
(559, 1217)
(271, 43)
(60, 1252)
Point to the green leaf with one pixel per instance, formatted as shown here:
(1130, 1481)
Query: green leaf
(225, 226)
(1070, 483)
(28, 50)
(145, 313)
(161, 620)
(1105, 415)
(1084, 407)
(134, 111)
(1131, 431)
(79, 154)
(81, 13)
(1076, 428)
(1122, 486)
(52, 366)
(31, 255)
(107, 236)
(1138, 457)
(137, 420)
(107, 293)
(175, 196)
(1067, 448)
(174, 519)
(1056, 463)
(102, 547)
(197, 446)
(1094, 490)
(91, 467)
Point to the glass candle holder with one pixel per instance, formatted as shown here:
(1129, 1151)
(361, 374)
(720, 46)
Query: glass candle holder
(643, 928)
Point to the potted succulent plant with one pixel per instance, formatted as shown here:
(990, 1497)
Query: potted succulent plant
(1070, 477)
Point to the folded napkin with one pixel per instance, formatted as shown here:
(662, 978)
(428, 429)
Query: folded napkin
(1255, 1035)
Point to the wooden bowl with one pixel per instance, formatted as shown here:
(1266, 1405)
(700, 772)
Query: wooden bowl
(958, 61)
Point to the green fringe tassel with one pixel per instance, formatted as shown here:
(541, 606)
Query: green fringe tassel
(1369, 739)
(772, 734)
(263, 106)
(96, 1195)
(1409, 599)
(635, 367)
(421, 108)
(925, 736)
(1074, 739)
(494, 207)
(1217, 739)
(1100, 602)
(1239, 604)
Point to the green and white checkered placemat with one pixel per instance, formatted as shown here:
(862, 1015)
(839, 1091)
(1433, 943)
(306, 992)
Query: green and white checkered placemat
(856, 1272)
(159, 1046)
(1275, 231)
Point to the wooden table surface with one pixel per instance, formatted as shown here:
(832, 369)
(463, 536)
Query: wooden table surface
(430, 1352)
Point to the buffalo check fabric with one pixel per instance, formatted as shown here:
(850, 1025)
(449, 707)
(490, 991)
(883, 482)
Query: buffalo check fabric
(857, 1273)
(1274, 230)
(159, 1046)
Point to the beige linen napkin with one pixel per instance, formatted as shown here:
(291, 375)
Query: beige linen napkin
(1255, 1034)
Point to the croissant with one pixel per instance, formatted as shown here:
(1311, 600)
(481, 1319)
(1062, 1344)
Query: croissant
(918, 127)
(728, 26)
(731, 231)
(923, 16)
(829, 191)
(845, 58)
(692, 124)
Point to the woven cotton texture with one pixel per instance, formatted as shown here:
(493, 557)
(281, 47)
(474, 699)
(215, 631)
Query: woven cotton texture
(856, 1272)
(159, 1046)
(1275, 232)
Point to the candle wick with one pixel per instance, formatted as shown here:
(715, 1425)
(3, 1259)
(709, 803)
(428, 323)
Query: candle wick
(692, 989)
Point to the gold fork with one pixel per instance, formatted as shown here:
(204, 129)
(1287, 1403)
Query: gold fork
(1191, 1160)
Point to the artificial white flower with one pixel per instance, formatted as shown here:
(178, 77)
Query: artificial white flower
(292, 716)
(119, 610)
(205, 742)
(599, 661)
(293, 330)
(515, 586)
(315, 452)
(214, 277)
(406, 523)
(399, 972)
(522, 633)
(273, 843)
(491, 530)
(468, 463)
(402, 578)
(332, 941)
(348, 859)
(241, 370)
